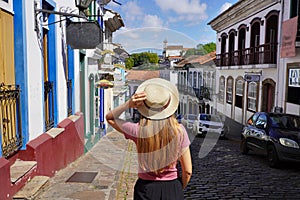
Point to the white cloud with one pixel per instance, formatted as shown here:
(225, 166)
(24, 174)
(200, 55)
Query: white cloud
(191, 11)
(132, 11)
(225, 6)
(152, 21)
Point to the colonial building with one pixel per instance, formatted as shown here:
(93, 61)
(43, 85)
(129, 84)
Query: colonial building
(196, 84)
(50, 105)
(248, 58)
(288, 87)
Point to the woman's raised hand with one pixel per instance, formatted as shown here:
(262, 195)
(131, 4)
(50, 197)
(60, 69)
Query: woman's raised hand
(137, 100)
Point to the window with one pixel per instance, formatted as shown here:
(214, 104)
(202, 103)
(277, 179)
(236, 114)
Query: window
(252, 95)
(221, 89)
(213, 79)
(229, 90)
(252, 119)
(295, 6)
(199, 79)
(209, 80)
(239, 91)
(261, 121)
(195, 80)
(293, 91)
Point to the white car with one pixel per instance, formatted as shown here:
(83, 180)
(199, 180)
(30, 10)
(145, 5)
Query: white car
(188, 120)
(209, 123)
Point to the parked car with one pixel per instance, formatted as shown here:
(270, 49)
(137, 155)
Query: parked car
(276, 135)
(188, 120)
(209, 123)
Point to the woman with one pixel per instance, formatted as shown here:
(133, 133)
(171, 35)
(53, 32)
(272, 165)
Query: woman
(160, 140)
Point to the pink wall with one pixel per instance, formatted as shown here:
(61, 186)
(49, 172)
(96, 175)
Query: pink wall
(51, 154)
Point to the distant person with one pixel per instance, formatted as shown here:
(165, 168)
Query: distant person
(160, 140)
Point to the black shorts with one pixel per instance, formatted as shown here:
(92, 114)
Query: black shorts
(158, 190)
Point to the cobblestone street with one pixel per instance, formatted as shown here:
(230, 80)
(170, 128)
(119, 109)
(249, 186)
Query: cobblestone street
(226, 174)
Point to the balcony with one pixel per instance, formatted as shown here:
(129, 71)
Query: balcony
(261, 54)
(10, 119)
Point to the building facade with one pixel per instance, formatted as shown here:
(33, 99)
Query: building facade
(289, 63)
(39, 92)
(248, 58)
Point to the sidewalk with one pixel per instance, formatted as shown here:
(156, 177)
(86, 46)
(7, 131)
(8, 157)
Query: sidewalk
(106, 172)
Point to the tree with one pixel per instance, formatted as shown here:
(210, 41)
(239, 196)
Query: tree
(129, 63)
(209, 47)
(143, 59)
(201, 49)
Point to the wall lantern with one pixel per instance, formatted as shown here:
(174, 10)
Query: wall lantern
(83, 4)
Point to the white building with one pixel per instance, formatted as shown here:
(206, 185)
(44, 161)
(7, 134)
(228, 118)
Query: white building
(288, 89)
(248, 58)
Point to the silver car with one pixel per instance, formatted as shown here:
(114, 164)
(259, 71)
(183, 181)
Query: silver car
(209, 123)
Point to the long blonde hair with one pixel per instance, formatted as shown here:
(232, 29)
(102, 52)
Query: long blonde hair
(158, 144)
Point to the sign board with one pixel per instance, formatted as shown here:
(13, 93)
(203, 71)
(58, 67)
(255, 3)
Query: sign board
(83, 35)
(252, 77)
(288, 40)
(294, 77)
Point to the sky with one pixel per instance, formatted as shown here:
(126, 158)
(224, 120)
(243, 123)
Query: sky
(181, 22)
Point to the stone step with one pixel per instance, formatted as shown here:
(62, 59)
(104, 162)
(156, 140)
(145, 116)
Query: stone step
(20, 168)
(32, 188)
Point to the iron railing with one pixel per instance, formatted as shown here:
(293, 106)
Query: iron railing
(10, 119)
(49, 104)
(261, 54)
(69, 96)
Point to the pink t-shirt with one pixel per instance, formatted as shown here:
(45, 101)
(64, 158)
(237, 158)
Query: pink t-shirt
(170, 173)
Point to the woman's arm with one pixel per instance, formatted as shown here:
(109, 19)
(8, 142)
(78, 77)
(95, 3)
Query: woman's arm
(186, 166)
(112, 116)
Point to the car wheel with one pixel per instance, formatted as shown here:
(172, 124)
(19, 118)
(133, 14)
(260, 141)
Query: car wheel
(272, 157)
(243, 146)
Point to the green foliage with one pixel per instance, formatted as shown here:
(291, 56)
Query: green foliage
(144, 60)
(209, 47)
(129, 63)
(201, 49)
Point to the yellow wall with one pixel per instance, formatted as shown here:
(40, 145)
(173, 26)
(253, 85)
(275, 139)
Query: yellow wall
(7, 68)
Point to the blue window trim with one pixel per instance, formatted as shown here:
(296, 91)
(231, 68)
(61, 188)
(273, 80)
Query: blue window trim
(21, 67)
(52, 65)
(71, 74)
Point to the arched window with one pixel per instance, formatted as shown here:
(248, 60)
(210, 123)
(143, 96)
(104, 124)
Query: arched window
(229, 90)
(221, 89)
(239, 91)
(252, 96)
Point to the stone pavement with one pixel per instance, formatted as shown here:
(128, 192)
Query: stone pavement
(113, 160)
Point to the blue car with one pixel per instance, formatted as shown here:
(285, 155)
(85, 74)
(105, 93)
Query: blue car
(277, 135)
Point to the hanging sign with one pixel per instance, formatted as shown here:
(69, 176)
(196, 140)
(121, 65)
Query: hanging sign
(288, 40)
(83, 35)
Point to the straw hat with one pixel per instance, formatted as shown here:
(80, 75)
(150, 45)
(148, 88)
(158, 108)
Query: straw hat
(162, 98)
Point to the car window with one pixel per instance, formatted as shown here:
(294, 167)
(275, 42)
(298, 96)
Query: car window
(276, 121)
(205, 117)
(261, 121)
(215, 118)
(252, 119)
(295, 122)
(192, 117)
(285, 121)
